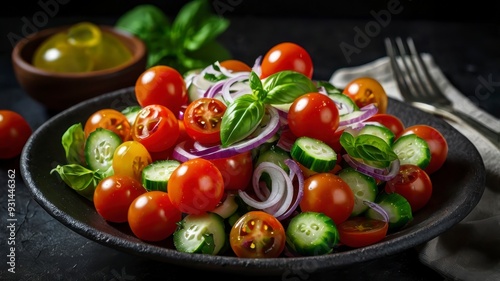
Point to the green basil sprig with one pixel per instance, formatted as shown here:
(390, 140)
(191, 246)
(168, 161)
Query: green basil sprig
(79, 178)
(371, 149)
(245, 113)
(188, 42)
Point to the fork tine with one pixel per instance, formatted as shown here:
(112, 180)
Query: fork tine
(412, 72)
(398, 73)
(434, 91)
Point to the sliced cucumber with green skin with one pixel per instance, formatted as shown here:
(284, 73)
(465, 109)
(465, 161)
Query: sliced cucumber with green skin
(312, 233)
(314, 154)
(380, 131)
(204, 234)
(100, 147)
(396, 206)
(155, 176)
(363, 186)
(274, 155)
(344, 103)
(411, 149)
(131, 113)
(228, 207)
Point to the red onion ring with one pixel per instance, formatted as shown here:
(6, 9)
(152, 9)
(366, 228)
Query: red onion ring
(383, 174)
(359, 115)
(184, 151)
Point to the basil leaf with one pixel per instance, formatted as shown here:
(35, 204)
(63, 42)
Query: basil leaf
(374, 149)
(285, 86)
(208, 31)
(240, 119)
(256, 86)
(348, 142)
(73, 142)
(79, 178)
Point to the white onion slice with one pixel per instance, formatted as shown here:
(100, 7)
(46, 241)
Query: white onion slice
(278, 185)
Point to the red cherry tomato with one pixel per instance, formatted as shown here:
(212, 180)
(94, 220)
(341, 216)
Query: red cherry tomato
(113, 196)
(328, 193)
(202, 120)
(110, 119)
(257, 234)
(390, 121)
(314, 115)
(437, 145)
(359, 232)
(236, 170)
(413, 183)
(236, 66)
(161, 85)
(156, 127)
(286, 56)
(196, 186)
(14, 133)
(366, 90)
(152, 217)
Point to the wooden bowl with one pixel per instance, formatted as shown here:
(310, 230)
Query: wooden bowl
(58, 91)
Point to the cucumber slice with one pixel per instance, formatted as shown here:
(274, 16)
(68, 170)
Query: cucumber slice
(228, 206)
(131, 113)
(411, 149)
(314, 154)
(363, 186)
(155, 176)
(380, 131)
(396, 206)
(203, 234)
(312, 233)
(100, 147)
(344, 103)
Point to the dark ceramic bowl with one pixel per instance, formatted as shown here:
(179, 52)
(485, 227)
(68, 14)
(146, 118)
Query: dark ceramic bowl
(453, 198)
(58, 91)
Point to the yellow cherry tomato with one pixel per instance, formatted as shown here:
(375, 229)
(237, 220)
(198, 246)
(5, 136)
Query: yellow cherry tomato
(366, 90)
(130, 158)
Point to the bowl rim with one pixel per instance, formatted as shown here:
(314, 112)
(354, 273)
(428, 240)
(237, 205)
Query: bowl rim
(137, 56)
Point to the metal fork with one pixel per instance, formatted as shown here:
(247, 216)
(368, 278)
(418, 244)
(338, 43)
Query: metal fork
(419, 89)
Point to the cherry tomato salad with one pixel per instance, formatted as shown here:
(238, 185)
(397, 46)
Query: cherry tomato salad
(256, 161)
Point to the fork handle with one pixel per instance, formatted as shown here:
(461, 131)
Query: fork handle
(464, 119)
(492, 136)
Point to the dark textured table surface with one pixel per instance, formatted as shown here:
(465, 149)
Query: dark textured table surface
(46, 250)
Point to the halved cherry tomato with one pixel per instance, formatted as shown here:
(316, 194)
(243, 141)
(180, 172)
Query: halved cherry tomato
(14, 133)
(366, 90)
(314, 115)
(437, 145)
(235, 66)
(413, 183)
(113, 196)
(152, 217)
(156, 127)
(390, 121)
(359, 232)
(202, 120)
(257, 234)
(287, 56)
(130, 158)
(236, 170)
(161, 85)
(110, 119)
(328, 193)
(196, 186)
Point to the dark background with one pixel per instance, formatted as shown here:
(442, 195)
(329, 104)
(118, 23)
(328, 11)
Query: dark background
(463, 39)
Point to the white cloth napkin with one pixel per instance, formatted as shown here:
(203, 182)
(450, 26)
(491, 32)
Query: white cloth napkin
(471, 249)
